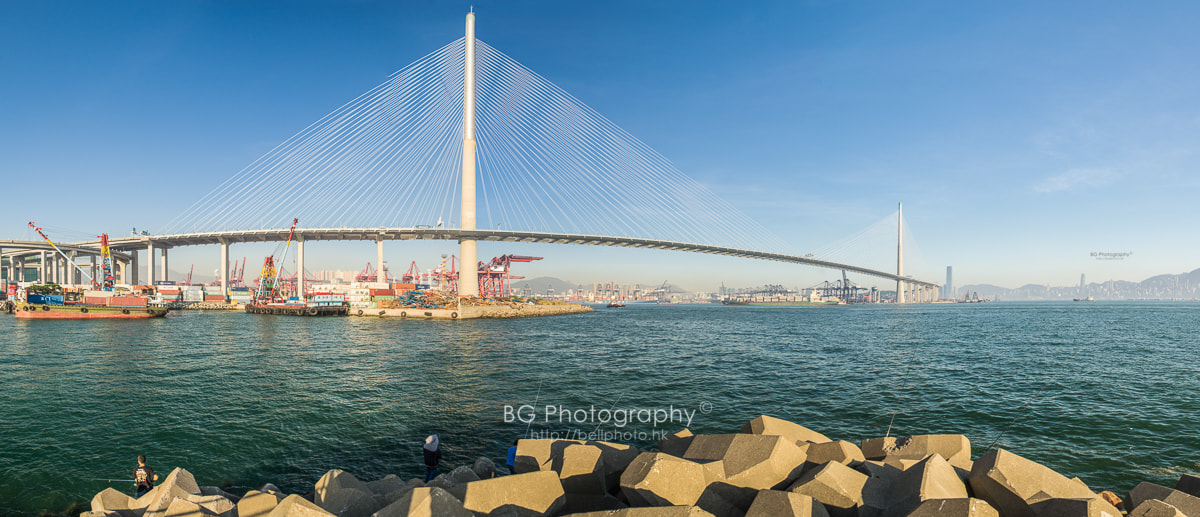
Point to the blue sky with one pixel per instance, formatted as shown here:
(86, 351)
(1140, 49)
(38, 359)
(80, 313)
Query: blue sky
(1021, 136)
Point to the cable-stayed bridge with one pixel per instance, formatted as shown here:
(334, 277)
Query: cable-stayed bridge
(468, 145)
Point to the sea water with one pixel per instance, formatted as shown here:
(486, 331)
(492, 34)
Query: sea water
(1104, 391)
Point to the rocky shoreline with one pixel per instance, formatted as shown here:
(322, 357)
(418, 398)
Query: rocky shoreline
(771, 468)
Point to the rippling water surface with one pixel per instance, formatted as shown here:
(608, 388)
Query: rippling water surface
(1103, 391)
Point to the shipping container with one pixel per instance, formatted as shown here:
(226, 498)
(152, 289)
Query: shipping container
(406, 287)
(96, 300)
(127, 301)
(214, 298)
(45, 299)
(164, 282)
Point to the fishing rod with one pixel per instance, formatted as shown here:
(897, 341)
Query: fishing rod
(111, 480)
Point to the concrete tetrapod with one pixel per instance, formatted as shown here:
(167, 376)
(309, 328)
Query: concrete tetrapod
(535, 455)
(774, 503)
(534, 493)
(658, 479)
(954, 508)
(676, 443)
(296, 506)
(660, 511)
(840, 451)
(1156, 508)
(932, 478)
(113, 500)
(340, 493)
(257, 504)
(581, 470)
(425, 502)
(952, 447)
(1189, 485)
(749, 460)
(1012, 485)
(838, 487)
(1188, 504)
(795, 432)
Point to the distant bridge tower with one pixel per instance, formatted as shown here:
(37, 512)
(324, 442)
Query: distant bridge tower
(900, 252)
(468, 273)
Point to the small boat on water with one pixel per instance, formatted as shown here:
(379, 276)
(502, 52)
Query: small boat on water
(1088, 299)
(615, 305)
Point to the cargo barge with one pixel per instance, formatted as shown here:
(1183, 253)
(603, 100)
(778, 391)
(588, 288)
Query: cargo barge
(54, 307)
(813, 299)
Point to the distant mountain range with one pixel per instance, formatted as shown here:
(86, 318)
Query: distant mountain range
(1185, 286)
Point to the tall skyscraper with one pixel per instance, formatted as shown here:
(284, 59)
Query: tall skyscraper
(1082, 280)
(949, 290)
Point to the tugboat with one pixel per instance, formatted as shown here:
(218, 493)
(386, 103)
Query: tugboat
(270, 299)
(50, 302)
(616, 304)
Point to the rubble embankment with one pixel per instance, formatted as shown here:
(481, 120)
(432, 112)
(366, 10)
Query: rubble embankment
(771, 468)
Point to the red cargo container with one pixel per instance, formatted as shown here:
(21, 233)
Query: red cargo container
(214, 298)
(382, 292)
(170, 291)
(95, 300)
(406, 287)
(127, 301)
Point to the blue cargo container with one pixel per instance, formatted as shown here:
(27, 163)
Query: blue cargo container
(46, 299)
(422, 286)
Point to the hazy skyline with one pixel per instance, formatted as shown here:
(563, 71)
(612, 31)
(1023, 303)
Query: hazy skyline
(1021, 137)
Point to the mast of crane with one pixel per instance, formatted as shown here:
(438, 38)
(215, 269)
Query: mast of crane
(64, 255)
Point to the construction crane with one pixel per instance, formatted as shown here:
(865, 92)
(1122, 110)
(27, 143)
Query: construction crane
(268, 280)
(106, 265)
(188, 279)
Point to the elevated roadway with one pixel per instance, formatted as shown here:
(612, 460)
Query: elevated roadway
(379, 235)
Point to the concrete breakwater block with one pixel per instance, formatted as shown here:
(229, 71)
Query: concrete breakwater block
(1184, 502)
(749, 460)
(296, 506)
(535, 455)
(258, 504)
(538, 455)
(952, 447)
(838, 487)
(932, 478)
(840, 451)
(520, 495)
(581, 471)
(660, 511)
(455, 482)
(340, 493)
(774, 426)
(774, 503)
(725, 500)
(1189, 485)
(1156, 508)
(954, 508)
(676, 443)
(1012, 485)
(657, 479)
(425, 502)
